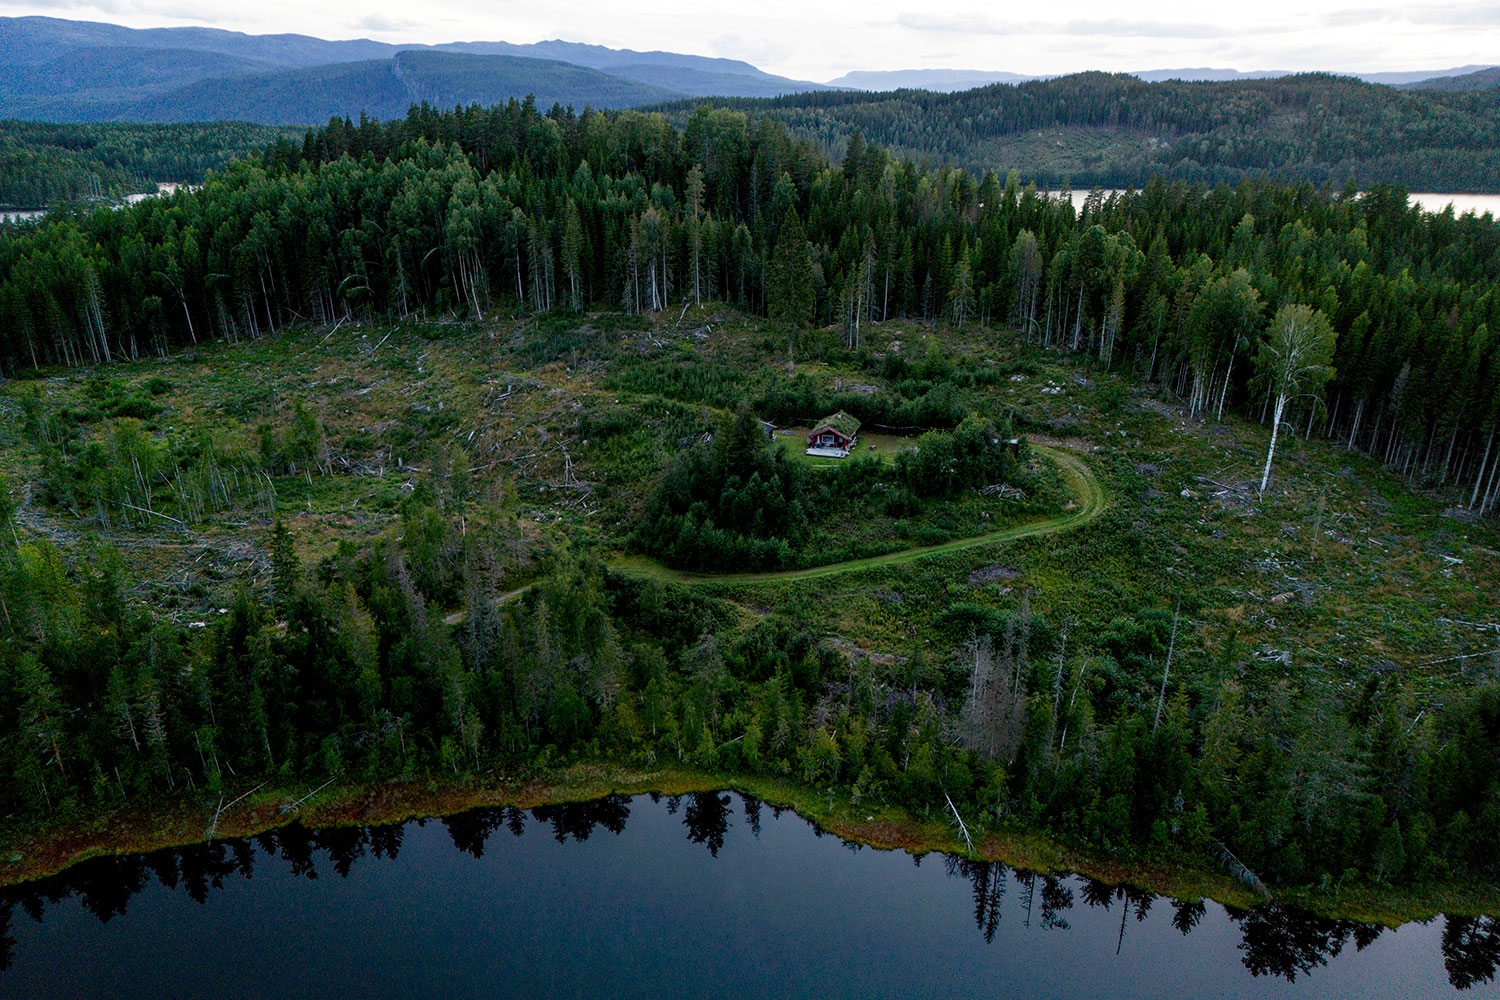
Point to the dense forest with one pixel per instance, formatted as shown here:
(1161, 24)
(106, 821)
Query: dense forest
(1115, 130)
(357, 670)
(352, 673)
(43, 165)
(508, 208)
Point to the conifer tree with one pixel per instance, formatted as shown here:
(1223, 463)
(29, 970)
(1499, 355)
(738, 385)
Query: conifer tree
(790, 297)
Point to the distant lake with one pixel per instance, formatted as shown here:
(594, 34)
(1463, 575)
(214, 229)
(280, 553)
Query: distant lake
(703, 895)
(164, 188)
(1462, 203)
(1426, 200)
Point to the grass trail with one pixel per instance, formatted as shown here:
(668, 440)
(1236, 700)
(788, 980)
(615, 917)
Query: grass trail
(1089, 501)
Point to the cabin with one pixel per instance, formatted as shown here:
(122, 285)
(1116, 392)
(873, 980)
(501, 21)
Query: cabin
(833, 437)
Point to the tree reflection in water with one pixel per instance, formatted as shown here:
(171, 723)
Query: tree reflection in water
(707, 819)
(7, 940)
(1471, 950)
(1137, 901)
(578, 819)
(988, 879)
(1281, 941)
(1276, 941)
(1186, 914)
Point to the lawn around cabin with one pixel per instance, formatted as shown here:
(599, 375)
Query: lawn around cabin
(872, 444)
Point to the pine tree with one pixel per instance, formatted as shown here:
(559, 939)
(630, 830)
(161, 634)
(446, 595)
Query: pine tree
(572, 252)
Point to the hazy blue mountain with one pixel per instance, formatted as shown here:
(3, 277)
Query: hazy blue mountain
(59, 70)
(939, 80)
(386, 88)
(698, 83)
(112, 72)
(699, 76)
(1484, 79)
(285, 97)
(601, 57)
(33, 40)
(1207, 73)
(445, 79)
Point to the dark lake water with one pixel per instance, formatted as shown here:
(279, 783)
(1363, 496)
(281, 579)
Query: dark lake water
(699, 896)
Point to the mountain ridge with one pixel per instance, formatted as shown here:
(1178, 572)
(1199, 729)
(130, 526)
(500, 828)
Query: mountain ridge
(137, 74)
(386, 88)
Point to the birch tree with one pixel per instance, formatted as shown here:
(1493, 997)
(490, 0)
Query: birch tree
(1026, 269)
(1294, 361)
(961, 295)
(1225, 315)
(694, 226)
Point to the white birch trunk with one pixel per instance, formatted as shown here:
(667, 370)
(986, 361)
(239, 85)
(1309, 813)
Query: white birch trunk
(1265, 476)
(1483, 467)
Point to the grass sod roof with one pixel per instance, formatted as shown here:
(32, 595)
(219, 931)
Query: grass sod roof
(844, 423)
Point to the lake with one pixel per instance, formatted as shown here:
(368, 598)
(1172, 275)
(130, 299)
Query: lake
(1426, 200)
(162, 189)
(1430, 202)
(1462, 203)
(704, 895)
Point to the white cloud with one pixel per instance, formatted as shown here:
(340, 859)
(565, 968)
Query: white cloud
(1443, 15)
(380, 24)
(80, 6)
(193, 15)
(757, 51)
(984, 24)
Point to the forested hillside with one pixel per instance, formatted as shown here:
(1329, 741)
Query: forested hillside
(1117, 130)
(1483, 79)
(44, 164)
(510, 208)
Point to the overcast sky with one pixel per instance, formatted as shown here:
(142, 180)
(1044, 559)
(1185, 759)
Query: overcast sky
(821, 40)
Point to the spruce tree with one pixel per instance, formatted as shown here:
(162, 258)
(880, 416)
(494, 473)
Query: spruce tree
(790, 297)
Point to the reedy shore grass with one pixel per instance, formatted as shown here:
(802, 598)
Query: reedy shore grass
(48, 851)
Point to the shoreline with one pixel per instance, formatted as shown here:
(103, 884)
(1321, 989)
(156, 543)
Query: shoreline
(39, 854)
